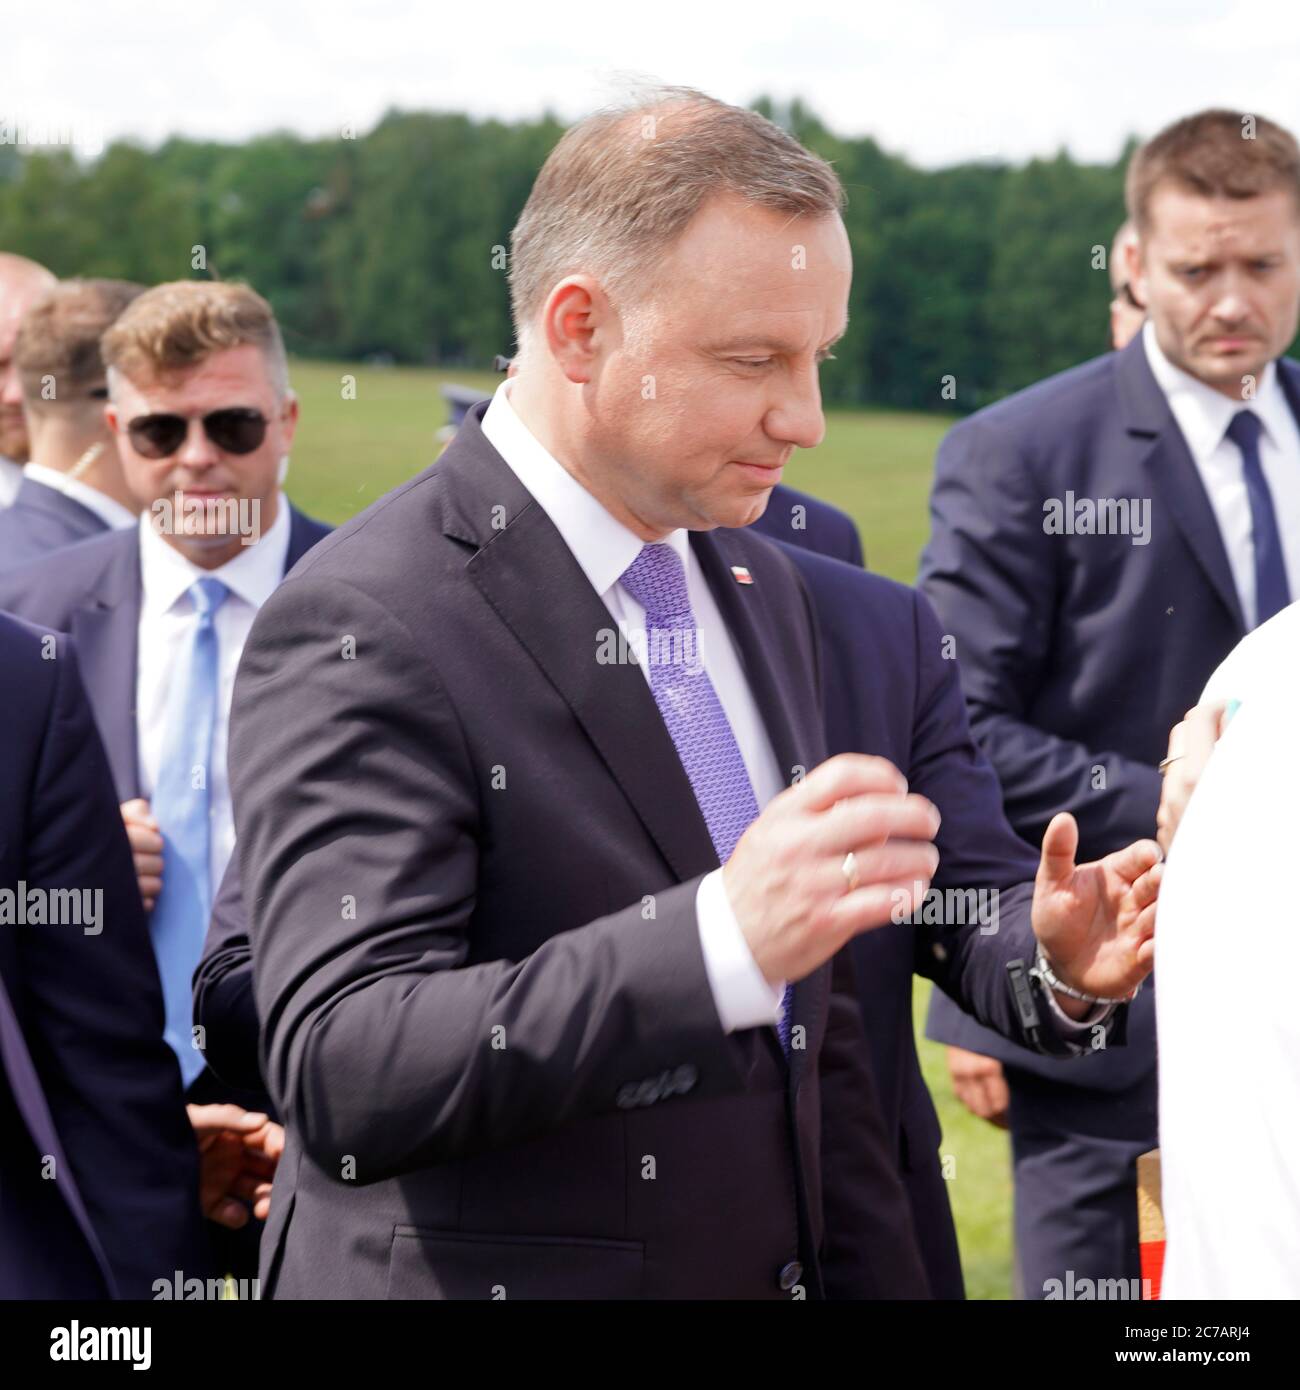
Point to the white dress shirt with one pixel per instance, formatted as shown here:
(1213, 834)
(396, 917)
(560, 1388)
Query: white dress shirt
(112, 513)
(11, 477)
(604, 548)
(1204, 415)
(167, 619)
(1227, 967)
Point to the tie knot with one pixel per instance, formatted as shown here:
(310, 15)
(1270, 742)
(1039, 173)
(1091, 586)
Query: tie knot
(1244, 431)
(657, 581)
(207, 595)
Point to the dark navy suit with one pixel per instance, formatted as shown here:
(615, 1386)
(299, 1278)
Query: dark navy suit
(887, 691)
(811, 524)
(93, 591)
(87, 1084)
(40, 520)
(1078, 654)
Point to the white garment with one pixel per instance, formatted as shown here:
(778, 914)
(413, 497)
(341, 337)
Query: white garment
(1227, 966)
(167, 620)
(604, 548)
(1203, 415)
(111, 512)
(1266, 659)
(11, 477)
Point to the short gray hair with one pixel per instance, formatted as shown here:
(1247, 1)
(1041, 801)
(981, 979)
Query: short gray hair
(620, 187)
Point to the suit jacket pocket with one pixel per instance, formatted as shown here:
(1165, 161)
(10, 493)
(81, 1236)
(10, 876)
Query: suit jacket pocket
(454, 1265)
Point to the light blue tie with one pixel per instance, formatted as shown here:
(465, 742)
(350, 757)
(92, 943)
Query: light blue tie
(182, 801)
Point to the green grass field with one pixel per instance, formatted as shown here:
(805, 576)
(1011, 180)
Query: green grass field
(875, 465)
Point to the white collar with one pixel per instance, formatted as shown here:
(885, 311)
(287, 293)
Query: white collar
(110, 511)
(1204, 414)
(253, 575)
(600, 543)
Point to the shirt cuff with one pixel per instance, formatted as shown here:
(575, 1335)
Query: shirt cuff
(1072, 1028)
(741, 995)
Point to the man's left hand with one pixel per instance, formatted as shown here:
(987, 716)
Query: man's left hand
(1096, 922)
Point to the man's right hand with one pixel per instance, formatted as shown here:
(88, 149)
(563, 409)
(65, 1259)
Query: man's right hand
(786, 881)
(146, 848)
(978, 1082)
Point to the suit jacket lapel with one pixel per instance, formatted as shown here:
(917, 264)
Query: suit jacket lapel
(106, 633)
(29, 1098)
(530, 577)
(1173, 472)
(303, 534)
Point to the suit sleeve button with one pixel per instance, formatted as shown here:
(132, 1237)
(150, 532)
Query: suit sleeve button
(790, 1275)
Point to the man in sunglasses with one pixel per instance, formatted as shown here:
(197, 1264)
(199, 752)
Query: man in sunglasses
(22, 282)
(204, 418)
(73, 486)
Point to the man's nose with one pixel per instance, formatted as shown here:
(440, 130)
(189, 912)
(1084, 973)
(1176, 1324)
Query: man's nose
(197, 450)
(11, 393)
(1231, 305)
(797, 419)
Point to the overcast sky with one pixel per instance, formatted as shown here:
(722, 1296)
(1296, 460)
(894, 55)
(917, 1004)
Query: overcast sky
(936, 80)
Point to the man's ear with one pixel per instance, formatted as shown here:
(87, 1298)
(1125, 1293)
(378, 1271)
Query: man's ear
(1133, 271)
(576, 322)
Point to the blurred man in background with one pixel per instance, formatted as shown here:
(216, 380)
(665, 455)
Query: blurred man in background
(22, 282)
(1101, 541)
(73, 486)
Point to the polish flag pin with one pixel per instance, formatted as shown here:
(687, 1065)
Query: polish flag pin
(741, 574)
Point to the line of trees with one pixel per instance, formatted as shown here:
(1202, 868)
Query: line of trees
(971, 281)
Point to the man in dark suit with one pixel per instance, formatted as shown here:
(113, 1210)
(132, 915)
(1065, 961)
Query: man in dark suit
(73, 486)
(1101, 541)
(159, 613)
(543, 935)
(99, 1195)
(808, 523)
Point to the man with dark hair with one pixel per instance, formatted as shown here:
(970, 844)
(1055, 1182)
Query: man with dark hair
(73, 486)
(1101, 541)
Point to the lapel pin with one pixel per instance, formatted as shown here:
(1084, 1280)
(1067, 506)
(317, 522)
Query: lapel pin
(741, 575)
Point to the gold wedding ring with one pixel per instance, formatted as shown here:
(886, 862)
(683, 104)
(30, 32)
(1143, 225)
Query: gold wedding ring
(850, 870)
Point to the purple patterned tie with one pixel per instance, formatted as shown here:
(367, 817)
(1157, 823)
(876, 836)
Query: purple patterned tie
(691, 710)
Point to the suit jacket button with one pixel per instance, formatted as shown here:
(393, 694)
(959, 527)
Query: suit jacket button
(790, 1275)
(684, 1079)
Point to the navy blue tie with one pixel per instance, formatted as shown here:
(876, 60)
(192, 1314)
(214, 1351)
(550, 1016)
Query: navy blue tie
(1272, 592)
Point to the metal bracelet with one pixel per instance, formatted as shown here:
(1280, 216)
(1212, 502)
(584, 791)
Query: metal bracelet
(1044, 972)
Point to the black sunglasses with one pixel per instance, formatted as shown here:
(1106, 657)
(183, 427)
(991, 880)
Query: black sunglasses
(236, 430)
